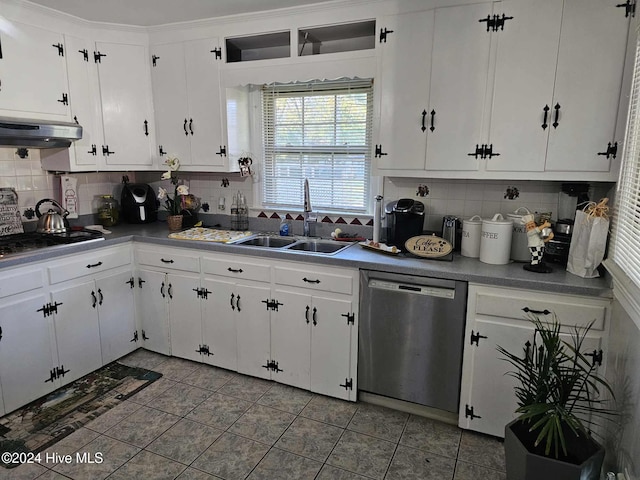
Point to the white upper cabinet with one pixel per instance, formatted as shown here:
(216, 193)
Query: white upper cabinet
(523, 88)
(459, 74)
(84, 102)
(33, 74)
(404, 79)
(587, 87)
(189, 104)
(127, 112)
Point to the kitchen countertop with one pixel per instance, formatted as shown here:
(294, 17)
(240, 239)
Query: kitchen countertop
(461, 268)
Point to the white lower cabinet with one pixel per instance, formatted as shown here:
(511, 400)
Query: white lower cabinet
(498, 316)
(26, 354)
(185, 318)
(311, 342)
(152, 311)
(219, 323)
(116, 316)
(77, 330)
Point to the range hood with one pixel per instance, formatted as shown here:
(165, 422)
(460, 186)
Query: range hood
(18, 132)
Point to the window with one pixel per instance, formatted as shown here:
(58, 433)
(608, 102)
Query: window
(625, 245)
(320, 131)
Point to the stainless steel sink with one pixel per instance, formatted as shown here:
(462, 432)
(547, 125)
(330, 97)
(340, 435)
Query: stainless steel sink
(269, 241)
(318, 246)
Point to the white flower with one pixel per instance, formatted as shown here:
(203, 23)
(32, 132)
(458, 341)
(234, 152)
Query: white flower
(182, 190)
(173, 163)
(166, 175)
(162, 193)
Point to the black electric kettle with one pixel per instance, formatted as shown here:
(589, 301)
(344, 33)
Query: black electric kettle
(52, 221)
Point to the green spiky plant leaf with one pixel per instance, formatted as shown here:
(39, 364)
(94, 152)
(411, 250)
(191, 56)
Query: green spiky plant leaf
(557, 386)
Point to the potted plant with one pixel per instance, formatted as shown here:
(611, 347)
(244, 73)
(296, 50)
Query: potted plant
(558, 401)
(174, 205)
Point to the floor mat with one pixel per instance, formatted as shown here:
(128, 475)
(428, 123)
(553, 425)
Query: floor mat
(44, 422)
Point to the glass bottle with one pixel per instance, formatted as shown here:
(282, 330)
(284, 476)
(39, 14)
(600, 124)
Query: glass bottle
(108, 211)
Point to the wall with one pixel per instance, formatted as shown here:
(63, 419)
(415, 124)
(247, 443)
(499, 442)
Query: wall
(33, 184)
(623, 367)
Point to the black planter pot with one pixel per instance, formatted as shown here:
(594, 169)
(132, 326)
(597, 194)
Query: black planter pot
(523, 465)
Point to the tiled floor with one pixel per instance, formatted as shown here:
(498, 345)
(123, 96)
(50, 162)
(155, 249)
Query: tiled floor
(198, 422)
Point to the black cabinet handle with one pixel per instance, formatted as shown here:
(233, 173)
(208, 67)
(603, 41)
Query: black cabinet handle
(94, 150)
(144, 335)
(166, 261)
(536, 312)
(106, 151)
(65, 99)
(169, 291)
(85, 54)
(93, 265)
(191, 126)
(185, 127)
(311, 281)
(161, 151)
(479, 151)
(238, 302)
(546, 114)
(223, 151)
(313, 316)
(424, 116)
(235, 270)
(231, 301)
(146, 128)
(0, 333)
(95, 300)
(433, 117)
(612, 150)
(97, 57)
(306, 314)
(162, 290)
(557, 116)
(101, 297)
(154, 59)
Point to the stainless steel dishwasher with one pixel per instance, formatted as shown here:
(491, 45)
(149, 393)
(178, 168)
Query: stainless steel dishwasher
(411, 338)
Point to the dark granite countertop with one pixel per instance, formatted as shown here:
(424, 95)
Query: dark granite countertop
(460, 268)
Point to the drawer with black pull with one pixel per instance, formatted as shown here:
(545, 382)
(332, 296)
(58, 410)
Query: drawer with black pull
(569, 309)
(170, 259)
(89, 263)
(318, 278)
(230, 266)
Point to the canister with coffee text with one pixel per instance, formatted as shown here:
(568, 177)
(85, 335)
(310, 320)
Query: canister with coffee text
(495, 241)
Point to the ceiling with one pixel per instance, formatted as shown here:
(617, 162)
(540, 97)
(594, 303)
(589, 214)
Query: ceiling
(159, 12)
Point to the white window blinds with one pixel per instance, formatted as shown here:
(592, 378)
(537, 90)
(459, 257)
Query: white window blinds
(320, 131)
(625, 246)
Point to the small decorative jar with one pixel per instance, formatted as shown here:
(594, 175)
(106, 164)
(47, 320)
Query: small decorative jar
(174, 222)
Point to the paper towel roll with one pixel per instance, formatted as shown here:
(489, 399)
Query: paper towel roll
(377, 218)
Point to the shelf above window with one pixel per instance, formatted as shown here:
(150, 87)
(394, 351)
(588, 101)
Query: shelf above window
(337, 38)
(259, 47)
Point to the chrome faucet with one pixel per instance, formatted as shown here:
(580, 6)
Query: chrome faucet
(307, 215)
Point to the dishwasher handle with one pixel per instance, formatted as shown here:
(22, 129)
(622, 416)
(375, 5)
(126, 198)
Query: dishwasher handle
(413, 289)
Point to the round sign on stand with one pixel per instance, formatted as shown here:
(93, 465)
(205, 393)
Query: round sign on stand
(428, 246)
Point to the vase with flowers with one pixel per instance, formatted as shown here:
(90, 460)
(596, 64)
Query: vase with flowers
(176, 204)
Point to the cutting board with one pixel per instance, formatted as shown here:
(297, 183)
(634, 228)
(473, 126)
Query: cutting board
(210, 235)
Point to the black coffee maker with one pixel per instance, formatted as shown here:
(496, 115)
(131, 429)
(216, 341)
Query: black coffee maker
(405, 219)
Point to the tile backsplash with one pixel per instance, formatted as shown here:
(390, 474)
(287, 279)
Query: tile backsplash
(33, 184)
(465, 198)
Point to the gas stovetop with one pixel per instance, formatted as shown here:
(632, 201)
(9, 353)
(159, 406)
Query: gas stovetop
(21, 243)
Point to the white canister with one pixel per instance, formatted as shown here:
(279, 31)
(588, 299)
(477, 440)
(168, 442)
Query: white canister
(495, 241)
(471, 230)
(519, 245)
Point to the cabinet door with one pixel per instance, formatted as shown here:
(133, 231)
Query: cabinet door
(331, 348)
(205, 108)
(590, 60)
(126, 104)
(34, 77)
(117, 316)
(523, 87)
(487, 390)
(153, 311)
(459, 75)
(253, 330)
(406, 67)
(77, 329)
(185, 317)
(291, 338)
(219, 323)
(26, 357)
(83, 100)
(170, 100)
